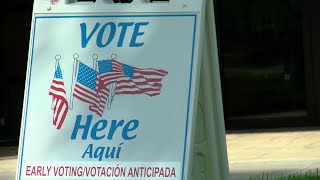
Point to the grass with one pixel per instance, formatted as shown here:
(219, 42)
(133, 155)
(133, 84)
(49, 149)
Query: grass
(309, 175)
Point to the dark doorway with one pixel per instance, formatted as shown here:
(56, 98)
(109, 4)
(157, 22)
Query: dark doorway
(262, 54)
(15, 33)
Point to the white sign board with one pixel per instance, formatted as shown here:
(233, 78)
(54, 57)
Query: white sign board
(110, 95)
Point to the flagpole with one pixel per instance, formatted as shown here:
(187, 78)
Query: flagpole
(95, 67)
(95, 60)
(112, 87)
(113, 57)
(57, 57)
(114, 92)
(74, 76)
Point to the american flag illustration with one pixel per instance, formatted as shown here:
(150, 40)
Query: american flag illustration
(86, 87)
(59, 98)
(115, 78)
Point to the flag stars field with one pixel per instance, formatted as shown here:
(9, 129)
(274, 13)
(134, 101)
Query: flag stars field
(58, 73)
(105, 66)
(128, 70)
(87, 76)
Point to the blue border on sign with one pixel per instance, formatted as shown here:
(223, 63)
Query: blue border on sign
(19, 172)
(26, 103)
(188, 107)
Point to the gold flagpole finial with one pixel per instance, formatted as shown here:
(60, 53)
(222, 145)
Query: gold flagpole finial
(58, 57)
(75, 56)
(113, 56)
(95, 57)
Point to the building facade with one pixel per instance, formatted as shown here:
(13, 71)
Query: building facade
(269, 61)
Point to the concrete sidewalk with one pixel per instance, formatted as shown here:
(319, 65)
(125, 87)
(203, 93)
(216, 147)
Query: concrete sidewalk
(250, 154)
(8, 162)
(8, 168)
(274, 153)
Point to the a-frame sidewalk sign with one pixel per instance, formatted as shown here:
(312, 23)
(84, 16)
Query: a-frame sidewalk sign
(123, 91)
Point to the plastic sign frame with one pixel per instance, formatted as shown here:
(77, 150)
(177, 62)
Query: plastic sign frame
(143, 117)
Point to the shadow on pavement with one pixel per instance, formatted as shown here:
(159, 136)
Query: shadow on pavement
(8, 151)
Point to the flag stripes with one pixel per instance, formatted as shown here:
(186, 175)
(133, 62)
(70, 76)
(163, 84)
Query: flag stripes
(59, 97)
